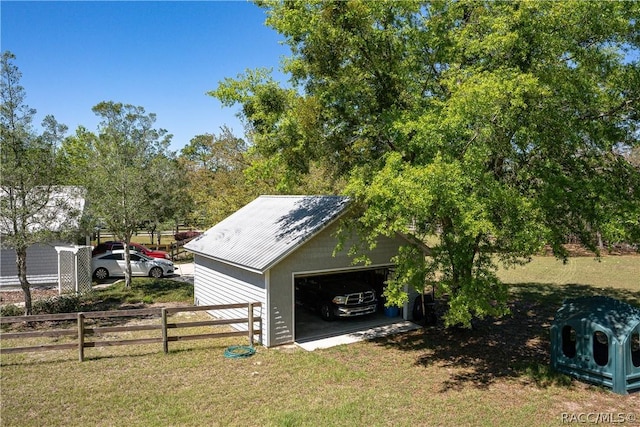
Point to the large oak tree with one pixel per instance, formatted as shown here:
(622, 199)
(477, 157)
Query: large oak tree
(480, 131)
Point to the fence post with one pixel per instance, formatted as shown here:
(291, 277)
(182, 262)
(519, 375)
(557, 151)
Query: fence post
(251, 324)
(261, 326)
(165, 335)
(81, 337)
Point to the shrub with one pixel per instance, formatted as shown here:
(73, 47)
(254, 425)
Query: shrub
(11, 310)
(186, 235)
(58, 304)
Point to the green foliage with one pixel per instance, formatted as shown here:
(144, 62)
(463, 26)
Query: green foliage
(74, 156)
(31, 203)
(214, 170)
(29, 171)
(283, 129)
(486, 129)
(59, 304)
(11, 310)
(122, 166)
(169, 202)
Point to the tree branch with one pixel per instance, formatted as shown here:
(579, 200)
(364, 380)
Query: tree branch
(426, 249)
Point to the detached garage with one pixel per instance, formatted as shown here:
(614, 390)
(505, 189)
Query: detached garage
(263, 250)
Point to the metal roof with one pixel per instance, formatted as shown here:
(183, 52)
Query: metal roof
(265, 231)
(64, 207)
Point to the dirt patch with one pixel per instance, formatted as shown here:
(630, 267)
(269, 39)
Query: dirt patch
(17, 296)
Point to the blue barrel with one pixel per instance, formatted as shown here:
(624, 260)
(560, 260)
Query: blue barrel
(392, 311)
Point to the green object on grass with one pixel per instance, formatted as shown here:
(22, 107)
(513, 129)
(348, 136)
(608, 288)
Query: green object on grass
(597, 339)
(239, 351)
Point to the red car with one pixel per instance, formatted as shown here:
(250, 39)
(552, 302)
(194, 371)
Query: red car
(112, 246)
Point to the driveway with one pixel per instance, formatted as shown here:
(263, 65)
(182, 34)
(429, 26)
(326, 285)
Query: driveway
(313, 333)
(184, 272)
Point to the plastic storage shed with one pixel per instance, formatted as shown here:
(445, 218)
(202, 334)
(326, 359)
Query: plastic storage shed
(597, 339)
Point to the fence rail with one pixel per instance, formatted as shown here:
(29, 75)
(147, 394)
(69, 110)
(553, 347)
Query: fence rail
(177, 250)
(82, 331)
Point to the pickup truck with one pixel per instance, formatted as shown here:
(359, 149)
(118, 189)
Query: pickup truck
(333, 298)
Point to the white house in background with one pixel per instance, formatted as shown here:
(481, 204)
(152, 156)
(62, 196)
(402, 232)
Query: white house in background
(64, 211)
(257, 253)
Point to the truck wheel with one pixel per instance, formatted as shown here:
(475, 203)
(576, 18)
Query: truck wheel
(326, 312)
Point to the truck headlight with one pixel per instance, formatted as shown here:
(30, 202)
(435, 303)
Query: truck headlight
(340, 299)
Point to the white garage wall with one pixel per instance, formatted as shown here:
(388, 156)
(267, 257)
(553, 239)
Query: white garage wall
(314, 255)
(219, 283)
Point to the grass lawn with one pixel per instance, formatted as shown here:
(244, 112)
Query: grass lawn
(621, 272)
(496, 374)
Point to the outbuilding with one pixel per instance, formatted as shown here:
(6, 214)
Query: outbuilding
(260, 252)
(597, 339)
(64, 210)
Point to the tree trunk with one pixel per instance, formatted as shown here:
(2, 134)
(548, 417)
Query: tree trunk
(600, 243)
(152, 233)
(127, 263)
(21, 262)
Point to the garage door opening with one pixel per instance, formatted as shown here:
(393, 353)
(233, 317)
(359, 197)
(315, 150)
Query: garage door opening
(338, 303)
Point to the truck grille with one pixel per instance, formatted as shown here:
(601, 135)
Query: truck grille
(361, 298)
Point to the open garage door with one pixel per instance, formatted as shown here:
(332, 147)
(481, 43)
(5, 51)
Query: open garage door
(336, 303)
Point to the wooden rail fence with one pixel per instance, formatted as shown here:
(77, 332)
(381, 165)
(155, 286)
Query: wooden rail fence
(82, 331)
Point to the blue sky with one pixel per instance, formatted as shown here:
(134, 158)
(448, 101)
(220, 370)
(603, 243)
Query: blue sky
(163, 56)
